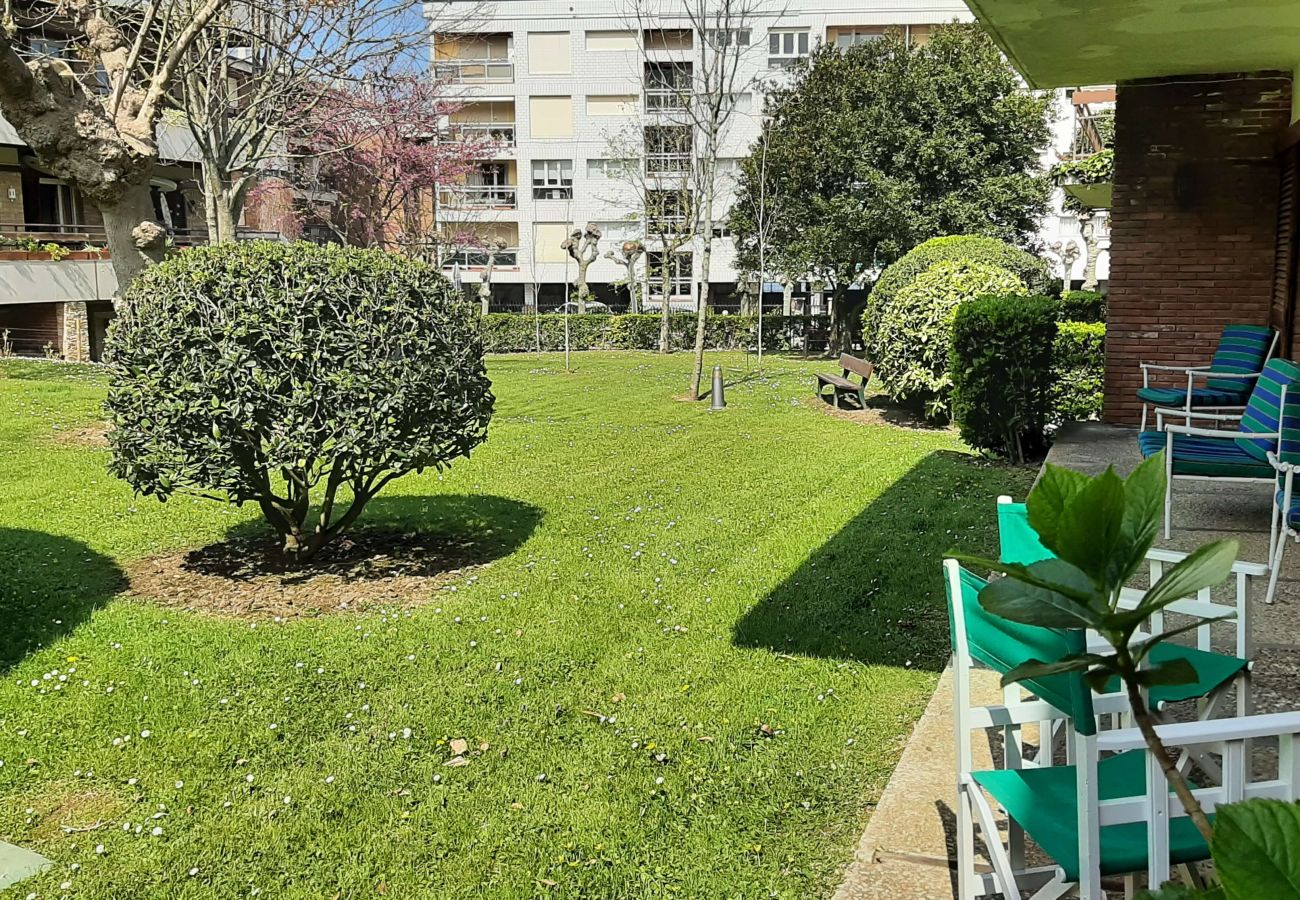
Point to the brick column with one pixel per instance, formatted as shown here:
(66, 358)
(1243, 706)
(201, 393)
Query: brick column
(1194, 220)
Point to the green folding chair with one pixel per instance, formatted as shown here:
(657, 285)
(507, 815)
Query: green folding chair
(1108, 812)
(1227, 380)
(1270, 423)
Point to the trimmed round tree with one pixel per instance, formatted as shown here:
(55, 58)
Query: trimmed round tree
(298, 377)
(915, 336)
(1030, 269)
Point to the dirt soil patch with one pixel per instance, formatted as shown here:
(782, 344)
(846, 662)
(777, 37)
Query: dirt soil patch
(93, 435)
(249, 578)
(879, 411)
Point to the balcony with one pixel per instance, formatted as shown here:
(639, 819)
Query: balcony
(36, 239)
(667, 163)
(479, 196)
(478, 259)
(665, 99)
(500, 133)
(474, 71)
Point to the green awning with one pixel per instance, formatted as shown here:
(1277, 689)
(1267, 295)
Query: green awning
(1066, 43)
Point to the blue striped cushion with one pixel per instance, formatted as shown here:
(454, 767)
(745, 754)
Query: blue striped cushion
(1264, 414)
(1201, 397)
(1292, 514)
(1242, 350)
(1194, 455)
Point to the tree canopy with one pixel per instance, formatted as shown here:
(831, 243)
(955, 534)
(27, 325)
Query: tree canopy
(873, 149)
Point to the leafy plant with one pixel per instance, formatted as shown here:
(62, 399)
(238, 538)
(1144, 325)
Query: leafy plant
(1078, 369)
(1082, 306)
(1030, 269)
(298, 377)
(1098, 168)
(1100, 530)
(1002, 349)
(915, 337)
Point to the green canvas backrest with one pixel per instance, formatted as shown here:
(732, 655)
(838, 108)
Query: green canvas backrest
(1001, 645)
(1264, 413)
(1018, 543)
(1242, 350)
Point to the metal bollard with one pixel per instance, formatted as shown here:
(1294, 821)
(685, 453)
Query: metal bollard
(719, 401)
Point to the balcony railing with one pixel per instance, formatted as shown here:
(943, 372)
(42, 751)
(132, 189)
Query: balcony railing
(659, 99)
(475, 71)
(502, 133)
(21, 234)
(667, 163)
(479, 196)
(478, 259)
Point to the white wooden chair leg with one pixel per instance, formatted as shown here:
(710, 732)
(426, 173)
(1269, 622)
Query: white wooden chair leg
(1276, 565)
(1169, 484)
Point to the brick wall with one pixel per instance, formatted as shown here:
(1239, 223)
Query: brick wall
(1194, 220)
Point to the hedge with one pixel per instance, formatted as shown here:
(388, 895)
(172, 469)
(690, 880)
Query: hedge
(1018, 374)
(1002, 349)
(1082, 306)
(1030, 269)
(1078, 366)
(521, 333)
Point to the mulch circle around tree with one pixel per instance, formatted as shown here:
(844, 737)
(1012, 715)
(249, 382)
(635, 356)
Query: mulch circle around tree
(250, 578)
(93, 435)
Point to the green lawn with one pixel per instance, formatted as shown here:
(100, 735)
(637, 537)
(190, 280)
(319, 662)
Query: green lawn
(771, 565)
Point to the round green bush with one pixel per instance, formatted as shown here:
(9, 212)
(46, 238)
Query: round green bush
(915, 335)
(298, 377)
(1030, 269)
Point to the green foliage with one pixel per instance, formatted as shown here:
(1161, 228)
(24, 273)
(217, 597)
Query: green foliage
(1082, 306)
(278, 374)
(1098, 168)
(915, 337)
(517, 333)
(872, 150)
(1078, 370)
(1030, 269)
(1001, 364)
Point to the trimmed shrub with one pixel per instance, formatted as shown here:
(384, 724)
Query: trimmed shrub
(1031, 270)
(1078, 367)
(1001, 365)
(915, 337)
(522, 333)
(302, 378)
(1082, 306)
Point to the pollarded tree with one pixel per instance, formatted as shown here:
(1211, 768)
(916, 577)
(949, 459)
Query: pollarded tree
(874, 149)
(298, 377)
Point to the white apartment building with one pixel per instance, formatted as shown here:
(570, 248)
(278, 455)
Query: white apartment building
(566, 87)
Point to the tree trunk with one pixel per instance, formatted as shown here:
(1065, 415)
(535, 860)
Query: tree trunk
(633, 289)
(839, 328)
(1092, 247)
(666, 280)
(582, 285)
(135, 240)
(787, 298)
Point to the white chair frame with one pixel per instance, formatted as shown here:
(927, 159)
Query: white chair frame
(1280, 529)
(1195, 372)
(1010, 876)
(1221, 434)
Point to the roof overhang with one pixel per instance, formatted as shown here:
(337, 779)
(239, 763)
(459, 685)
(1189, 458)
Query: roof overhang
(1066, 43)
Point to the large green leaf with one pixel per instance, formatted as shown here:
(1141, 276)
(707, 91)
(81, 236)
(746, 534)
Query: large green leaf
(1090, 527)
(1047, 501)
(1036, 668)
(1144, 497)
(1256, 850)
(1051, 594)
(1157, 639)
(1174, 891)
(1206, 566)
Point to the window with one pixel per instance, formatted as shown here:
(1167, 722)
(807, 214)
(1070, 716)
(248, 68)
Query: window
(668, 39)
(42, 46)
(550, 117)
(615, 233)
(552, 179)
(728, 167)
(729, 37)
(679, 265)
(742, 103)
(785, 47)
(548, 53)
(611, 40)
(851, 36)
(602, 105)
(609, 168)
(547, 238)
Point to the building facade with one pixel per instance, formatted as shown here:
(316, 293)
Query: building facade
(579, 97)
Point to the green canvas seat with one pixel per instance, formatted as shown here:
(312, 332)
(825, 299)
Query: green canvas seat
(1045, 804)
(1019, 543)
(1227, 380)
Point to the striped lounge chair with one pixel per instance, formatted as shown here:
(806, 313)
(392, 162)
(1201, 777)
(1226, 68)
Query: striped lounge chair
(1242, 351)
(1217, 454)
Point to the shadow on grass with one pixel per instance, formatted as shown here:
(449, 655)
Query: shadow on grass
(873, 593)
(48, 586)
(418, 536)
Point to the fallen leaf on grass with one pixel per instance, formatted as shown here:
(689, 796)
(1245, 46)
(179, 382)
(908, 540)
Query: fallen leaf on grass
(459, 746)
(456, 761)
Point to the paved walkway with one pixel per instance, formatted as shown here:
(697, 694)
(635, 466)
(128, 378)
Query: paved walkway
(906, 852)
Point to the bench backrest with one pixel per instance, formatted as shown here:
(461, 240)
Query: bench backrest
(856, 366)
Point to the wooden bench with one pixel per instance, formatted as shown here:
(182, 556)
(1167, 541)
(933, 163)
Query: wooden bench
(840, 384)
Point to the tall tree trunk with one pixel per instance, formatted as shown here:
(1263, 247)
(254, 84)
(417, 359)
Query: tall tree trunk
(135, 240)
(839, 327)
(666, 280)
(1091, 246)
(633, 289)
(787, 298)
